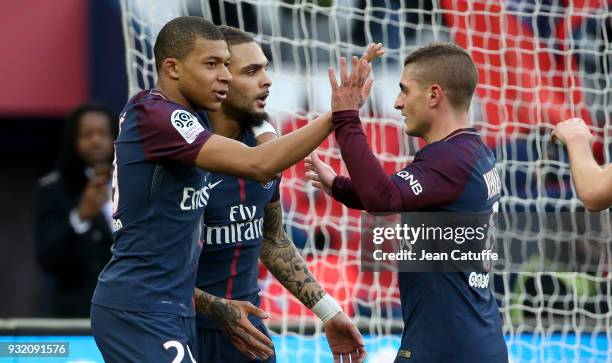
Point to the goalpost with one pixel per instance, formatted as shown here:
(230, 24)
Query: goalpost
(538, 64)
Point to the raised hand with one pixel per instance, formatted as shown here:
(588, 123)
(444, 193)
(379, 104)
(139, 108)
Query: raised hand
(344, 339)
(374, 51)
(354, 88)
(320, 174)
(570, 130)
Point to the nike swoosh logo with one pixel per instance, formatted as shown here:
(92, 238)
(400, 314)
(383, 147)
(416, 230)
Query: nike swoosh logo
(210, 186)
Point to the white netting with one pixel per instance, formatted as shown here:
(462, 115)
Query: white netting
(538, 64)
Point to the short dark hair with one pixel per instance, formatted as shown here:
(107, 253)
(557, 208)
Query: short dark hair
(234, 36)
(176, 39)
(448, 65)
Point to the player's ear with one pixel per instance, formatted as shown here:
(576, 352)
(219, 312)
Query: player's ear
(171, 68)
(435, 95)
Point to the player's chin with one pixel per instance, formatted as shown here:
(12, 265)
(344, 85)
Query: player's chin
(258, 112)
(213, 105)
(411, 131)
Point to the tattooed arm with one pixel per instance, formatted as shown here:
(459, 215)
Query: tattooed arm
(232, 316)
(285, 262)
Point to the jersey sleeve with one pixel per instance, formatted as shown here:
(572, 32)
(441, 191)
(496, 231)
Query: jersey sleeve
(436, 176)
(343, 192)
(276, 194)
(170, 133)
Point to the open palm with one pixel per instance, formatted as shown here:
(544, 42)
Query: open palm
(320, 174)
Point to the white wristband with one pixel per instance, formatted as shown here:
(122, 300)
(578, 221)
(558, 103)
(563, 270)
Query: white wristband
(263, 128)
(326, 308)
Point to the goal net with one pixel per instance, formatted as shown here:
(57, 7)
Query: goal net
(538, 63)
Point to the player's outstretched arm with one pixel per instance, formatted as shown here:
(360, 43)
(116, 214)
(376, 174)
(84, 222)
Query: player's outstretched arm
(232, 316)
(423, 183)
(369, 181)
(264, 161)
(284, 261)
(223, 155)
(592, 182)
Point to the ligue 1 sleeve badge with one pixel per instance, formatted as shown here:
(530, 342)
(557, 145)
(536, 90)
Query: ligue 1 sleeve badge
(186, 124)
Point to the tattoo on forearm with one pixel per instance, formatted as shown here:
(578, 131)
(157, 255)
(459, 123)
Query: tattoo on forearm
(284, 261)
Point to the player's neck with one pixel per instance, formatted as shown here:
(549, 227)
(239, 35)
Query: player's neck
(172, 94)
(446, 125)
(224, 125)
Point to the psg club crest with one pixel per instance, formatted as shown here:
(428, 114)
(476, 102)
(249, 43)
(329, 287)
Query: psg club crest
(186, 124)
(268, 185)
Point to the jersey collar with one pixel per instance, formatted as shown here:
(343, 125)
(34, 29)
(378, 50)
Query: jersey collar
(468, 131)
(157, 92)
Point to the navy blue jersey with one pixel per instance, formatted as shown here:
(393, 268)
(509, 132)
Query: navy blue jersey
(158, 199)
(448, 316)
(472, 329)
(232, 231)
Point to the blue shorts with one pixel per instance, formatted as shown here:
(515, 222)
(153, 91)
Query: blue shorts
(214, 346)
(126, 336)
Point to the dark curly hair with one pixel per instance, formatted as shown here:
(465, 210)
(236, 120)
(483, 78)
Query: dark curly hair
(71, 165)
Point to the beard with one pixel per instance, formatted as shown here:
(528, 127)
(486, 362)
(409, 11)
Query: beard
(246, 117)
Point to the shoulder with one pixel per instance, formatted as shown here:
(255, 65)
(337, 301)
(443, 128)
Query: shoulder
(440, 153)
(156, 108)
(155, 114)
(443, 161)
(436, 149)
(461, 151)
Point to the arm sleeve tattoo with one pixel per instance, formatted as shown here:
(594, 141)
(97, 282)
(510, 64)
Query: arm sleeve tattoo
(284, 261)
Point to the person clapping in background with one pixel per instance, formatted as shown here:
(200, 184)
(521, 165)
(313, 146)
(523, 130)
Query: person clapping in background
(73, 212)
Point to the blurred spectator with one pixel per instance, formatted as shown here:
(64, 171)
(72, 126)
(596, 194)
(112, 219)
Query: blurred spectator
(73, 212)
